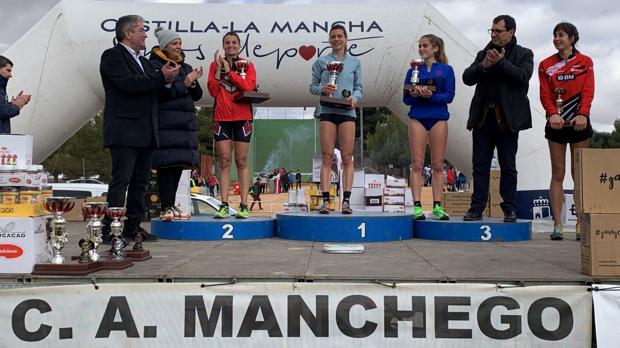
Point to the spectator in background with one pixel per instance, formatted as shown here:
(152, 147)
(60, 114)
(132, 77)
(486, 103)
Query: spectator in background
(298, 180)
(9, 109)
(255, 191)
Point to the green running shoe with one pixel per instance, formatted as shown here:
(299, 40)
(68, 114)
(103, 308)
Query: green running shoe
(223, 213)
(439, 213)
(243, 212)
(557, 232)
(418, 213)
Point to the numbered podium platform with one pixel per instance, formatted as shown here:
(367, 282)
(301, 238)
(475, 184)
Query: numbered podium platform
(487, 230)
(208, 228)
(336, 227)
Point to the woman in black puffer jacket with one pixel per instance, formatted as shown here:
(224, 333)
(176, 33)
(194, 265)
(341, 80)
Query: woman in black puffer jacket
(178, 140)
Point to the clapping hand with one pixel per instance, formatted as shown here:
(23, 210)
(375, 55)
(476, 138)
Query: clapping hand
(170, 71)
(21, 99)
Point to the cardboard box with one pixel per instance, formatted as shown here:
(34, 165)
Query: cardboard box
(408, 198)
(391, 181)
(373, 191)
(357, 196)
(374, 181)
(456, 196)
(15, 149)
(495, 209)
(391, 208)
(22, 243)
(600, 244)
(373, 201)
(394, 191)
(358, 178)
(569, 212)
(373, 208)
(399, 200)
(17, 178)
(597, 181)
(21, 210)
(494, 181)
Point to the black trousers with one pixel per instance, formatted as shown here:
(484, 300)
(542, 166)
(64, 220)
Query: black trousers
(485, 140)
(168, 180)
(131, 170)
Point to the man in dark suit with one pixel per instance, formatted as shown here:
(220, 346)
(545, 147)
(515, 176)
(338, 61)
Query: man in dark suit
(131, 85)
(499, 110)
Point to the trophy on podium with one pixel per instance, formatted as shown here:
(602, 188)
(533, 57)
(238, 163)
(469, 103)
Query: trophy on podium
(94, 211)
(415, 80)
(253, 97)
(335, 68)
(116, 227)
(57, 238)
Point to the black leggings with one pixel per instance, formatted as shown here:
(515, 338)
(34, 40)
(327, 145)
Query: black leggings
(168, 181)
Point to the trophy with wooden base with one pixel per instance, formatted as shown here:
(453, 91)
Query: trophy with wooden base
(57, 238)
(415, 80)
(138, 253)
(335, 68)
(116, 258)
(252, 97)
(559, 103)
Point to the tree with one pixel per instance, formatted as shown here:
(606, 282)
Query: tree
(204, 117)
(614, 138)
(83, 154)
(600, 140)
(389, 144)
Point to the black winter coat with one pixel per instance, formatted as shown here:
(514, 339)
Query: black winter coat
(512, 75)
(178, 138)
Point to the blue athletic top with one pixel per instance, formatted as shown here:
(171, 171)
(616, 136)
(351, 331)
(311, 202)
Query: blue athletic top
(442, 76)
(350, 78)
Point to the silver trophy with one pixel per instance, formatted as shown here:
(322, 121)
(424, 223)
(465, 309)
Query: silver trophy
(94, 211)
(241, 65)
(415, 64)
(116, 227)
(57, 235)
(334, 68)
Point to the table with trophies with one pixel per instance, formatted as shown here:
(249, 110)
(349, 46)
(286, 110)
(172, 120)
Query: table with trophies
(91, 258)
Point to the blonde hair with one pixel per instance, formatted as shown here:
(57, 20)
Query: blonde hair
(436, 41)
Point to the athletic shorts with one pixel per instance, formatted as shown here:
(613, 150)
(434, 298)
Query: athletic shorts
(232, 130)
(568, 135)
(336, 119)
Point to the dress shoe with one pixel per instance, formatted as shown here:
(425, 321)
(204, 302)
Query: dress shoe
(472, 215)
(510, 216)
(148, 237)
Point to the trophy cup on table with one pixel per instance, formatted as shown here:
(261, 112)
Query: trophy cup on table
(116, 258)
(57, 239)
(253, 97)
(94, 211)
(137, 253)
(335, 68)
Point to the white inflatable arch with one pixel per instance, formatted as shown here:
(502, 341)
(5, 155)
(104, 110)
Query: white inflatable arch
(58, 62)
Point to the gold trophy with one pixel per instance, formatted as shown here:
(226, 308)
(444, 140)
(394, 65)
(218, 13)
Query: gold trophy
(415, 80)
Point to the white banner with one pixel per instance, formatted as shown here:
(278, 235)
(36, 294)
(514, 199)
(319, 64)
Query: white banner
(606, 314)
(296, 314)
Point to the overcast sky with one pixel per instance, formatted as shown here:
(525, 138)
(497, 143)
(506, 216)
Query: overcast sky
(596, 20)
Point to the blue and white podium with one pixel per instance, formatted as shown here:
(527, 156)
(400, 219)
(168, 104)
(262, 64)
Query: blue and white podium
(208, 228)
(487, 230)
(335, 227)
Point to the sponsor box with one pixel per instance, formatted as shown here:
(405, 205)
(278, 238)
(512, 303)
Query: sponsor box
(600, 244)
(373, 201)
(391, 181)
(391, 208)
(15, 149)
(408, 198)
(21, 210)
(495, 210)
(358, 178)
(494, 181)
(373, 191)
(10, 178)
(597, 181)
(394, 191)
(22, 243)
(457, 196)
(374, 181)
(377, 208)
(398, 200)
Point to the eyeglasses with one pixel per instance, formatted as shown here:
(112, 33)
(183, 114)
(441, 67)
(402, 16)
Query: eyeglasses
(496, 31)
